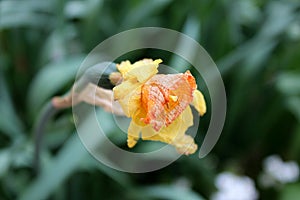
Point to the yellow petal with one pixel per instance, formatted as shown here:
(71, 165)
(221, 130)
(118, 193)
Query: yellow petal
(199, 102)
(165, 134)
(186, 145)
(124, 67)
(142, 70)
(176, 129)
(139, 114)
(142, 73)
(133, 134)
(187, 118)
(125, 88)
(148, 133)
(128, 95)
(175, 133)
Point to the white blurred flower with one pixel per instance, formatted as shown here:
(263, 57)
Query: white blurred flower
(278, 171)
(233, 187)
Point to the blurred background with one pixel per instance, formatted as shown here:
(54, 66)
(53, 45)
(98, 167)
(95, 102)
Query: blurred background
(256, 46)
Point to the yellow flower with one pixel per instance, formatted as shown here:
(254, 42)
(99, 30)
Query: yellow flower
(158, 104)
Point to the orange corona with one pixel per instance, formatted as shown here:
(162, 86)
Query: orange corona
(164, 98)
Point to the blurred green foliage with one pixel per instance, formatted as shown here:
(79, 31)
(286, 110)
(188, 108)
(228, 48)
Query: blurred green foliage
(256, 45)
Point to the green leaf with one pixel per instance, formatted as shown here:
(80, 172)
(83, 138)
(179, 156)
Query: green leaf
(119, 177)
(13, 6)
(294, 146)
(4, 161)
(50, 80)
(25, 13)
(169, 192)
(191, 28)
(10, 123)
(64, 164)
(75, 9)
(293, 104)
(70, 158)
(289, 83)
(13, 20)
(142, 11)
(56, 44)
(280, 16)
(290, 192)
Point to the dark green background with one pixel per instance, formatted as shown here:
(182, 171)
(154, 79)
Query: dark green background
(255, 44)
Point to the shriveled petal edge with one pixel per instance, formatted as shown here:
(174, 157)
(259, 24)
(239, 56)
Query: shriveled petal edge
(199, 102)
(133, 134)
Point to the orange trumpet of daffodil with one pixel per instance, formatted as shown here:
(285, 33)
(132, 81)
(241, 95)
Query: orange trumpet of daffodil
(158, 104)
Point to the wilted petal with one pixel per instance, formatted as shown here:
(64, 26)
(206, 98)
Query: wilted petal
(128, 95)
(124, 67)
(186, 145)
(165, 97)
(133, 134)
(91, 94)
(158, 104)
(199, 102)
(139, 69)
(125, 89)
(143, 72)
(174, 134)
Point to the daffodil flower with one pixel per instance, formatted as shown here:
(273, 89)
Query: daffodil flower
(158, 104)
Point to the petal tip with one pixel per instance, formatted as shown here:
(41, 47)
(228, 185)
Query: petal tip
(131, 142)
